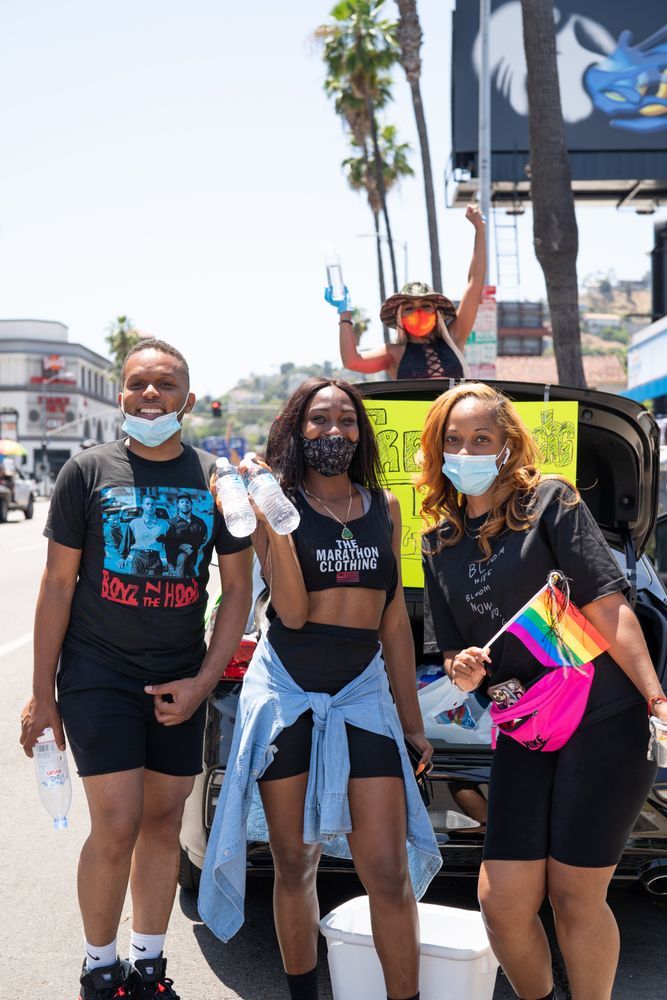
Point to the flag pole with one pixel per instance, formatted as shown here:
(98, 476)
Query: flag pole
(517, 615)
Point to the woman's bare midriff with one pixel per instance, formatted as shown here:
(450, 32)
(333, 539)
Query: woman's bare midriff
(350, 607)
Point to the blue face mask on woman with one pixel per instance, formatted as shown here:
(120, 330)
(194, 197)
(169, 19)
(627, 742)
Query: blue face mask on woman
(473, 474)
(152, 433)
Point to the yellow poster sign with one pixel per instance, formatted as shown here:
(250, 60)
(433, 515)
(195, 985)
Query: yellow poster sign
(398, 426)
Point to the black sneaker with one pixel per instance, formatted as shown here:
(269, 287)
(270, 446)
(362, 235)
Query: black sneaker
(108, 982)
(149, 981)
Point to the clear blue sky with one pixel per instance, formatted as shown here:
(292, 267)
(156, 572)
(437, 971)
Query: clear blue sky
(180, 163)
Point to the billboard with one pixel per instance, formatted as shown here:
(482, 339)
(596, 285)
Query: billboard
(612, 63)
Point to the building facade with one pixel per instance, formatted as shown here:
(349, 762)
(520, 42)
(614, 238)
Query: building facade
(54, 394)
(647, 367)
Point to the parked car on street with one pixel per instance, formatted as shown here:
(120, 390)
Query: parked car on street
(17, 492)
(616, 445)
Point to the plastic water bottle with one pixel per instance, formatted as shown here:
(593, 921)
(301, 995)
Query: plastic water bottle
(237, 512)
(334, 274)
(280, 512)
(55, 787)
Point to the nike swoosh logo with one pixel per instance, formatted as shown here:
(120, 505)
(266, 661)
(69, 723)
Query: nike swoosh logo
(95, 958)
(138, 948)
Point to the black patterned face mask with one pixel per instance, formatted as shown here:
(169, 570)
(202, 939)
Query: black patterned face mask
(330, 456)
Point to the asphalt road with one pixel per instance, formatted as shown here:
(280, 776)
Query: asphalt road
(41, 939)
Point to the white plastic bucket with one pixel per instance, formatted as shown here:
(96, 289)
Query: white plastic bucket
(456, 960)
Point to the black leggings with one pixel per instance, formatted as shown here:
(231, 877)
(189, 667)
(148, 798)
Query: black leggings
(577, 804)
(326, 658)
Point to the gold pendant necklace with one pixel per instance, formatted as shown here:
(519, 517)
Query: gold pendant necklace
(468, 531)
(345, 534)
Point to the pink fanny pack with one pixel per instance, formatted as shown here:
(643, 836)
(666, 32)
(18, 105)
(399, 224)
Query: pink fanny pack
(548, 713)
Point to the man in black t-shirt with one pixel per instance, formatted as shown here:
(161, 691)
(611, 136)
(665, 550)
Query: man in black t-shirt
(126, 633)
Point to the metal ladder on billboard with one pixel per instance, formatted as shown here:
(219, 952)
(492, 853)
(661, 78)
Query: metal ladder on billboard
(506, 243)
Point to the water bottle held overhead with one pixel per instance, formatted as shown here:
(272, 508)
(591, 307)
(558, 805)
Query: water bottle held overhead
(334, 274)
(231, 492)
(53, 781)
(279, 511)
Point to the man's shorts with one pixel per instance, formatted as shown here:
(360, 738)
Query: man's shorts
(111, 726)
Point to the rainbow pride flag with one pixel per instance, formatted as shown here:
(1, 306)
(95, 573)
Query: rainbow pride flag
(555, 631)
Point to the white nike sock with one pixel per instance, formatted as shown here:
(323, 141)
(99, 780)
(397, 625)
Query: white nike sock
(98, 956)
(146, 945)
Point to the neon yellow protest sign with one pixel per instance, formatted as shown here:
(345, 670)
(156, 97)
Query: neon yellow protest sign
(398, 427)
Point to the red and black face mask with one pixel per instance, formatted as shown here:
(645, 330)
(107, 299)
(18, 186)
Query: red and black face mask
(419, 323)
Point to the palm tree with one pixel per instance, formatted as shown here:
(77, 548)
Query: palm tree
(555, 232)
(359, 48)
(121, 337)
(361, 176)
(409, 34)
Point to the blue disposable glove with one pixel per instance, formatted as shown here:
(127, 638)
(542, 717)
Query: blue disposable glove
(342, 305)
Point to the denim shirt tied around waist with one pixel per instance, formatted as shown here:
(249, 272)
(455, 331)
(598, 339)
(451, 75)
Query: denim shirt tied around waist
(270, 702)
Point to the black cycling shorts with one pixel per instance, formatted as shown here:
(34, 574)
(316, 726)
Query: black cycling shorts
(111, 726)
(326, 658)
(578, 804)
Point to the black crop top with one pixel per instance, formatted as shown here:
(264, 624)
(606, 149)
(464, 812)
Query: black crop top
(432, 359)
(328, 561)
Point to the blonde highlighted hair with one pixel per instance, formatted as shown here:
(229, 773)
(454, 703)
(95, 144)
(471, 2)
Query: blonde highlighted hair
(439, 331)
(512, 490)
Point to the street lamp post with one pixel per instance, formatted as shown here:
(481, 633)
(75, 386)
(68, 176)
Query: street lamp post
(45, 440)
(400, 243)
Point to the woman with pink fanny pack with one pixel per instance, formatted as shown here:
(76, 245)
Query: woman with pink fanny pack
(569, 773)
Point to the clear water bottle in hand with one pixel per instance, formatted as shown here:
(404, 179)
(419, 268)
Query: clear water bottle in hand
(236, 510)
(334, 274)
(280, 512)
(53, 781)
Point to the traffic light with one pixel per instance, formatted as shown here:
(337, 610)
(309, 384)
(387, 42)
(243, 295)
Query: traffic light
(215, 408)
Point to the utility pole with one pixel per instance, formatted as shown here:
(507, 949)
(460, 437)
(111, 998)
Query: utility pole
(484, 122)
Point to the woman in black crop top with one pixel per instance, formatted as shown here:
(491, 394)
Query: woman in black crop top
(432, 332)
(335, 587)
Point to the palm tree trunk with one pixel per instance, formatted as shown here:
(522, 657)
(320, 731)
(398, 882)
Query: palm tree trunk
(382, 191)
(429, 193)
(383, 290)
(410, 39)
(555, 233)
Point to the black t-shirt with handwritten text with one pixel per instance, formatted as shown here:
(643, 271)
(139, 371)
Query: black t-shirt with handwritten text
(467, 598)
(146, 531)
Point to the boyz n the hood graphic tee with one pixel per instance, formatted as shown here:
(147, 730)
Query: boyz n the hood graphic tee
(146, 531)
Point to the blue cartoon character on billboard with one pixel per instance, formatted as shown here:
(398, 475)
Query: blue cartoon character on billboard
(598, 71)
(630, 85)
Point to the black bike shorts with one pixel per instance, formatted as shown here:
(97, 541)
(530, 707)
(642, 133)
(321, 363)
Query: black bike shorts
(326, 658)
(578, 804)
(111, 726)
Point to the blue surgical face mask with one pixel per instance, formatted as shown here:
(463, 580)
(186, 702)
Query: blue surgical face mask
(152, 433)
(473, 474)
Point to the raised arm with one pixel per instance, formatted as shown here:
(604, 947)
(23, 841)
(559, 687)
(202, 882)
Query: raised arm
(465, 315)
(52, 615)
(377, 359)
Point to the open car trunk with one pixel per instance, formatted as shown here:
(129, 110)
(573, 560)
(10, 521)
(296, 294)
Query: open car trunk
(616, 445)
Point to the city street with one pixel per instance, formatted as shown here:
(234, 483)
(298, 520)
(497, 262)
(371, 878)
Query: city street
(42, 940)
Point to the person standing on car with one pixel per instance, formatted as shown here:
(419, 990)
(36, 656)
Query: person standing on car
(432, 331)
(316, 725)
(558, 821)
(134, 671)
